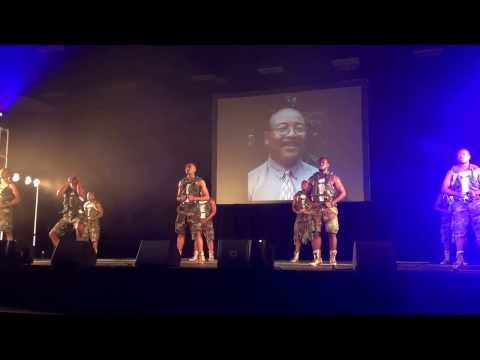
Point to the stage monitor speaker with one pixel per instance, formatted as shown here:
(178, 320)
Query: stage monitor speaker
(9, 253)
(162, 253)
(262, 255)
(77, 253)
(245, 254)
(373, 255)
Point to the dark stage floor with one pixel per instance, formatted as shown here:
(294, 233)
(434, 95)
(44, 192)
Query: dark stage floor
(286, 265)
(116, 287)
(279, 265)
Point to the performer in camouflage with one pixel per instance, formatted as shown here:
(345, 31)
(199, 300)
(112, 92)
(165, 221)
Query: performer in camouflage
(303, 228)
(191, 190)
(443, 206)
(94, 211)
(208, 210)
(325, 191)
(9, 197)
(73, 195)
(462, 183)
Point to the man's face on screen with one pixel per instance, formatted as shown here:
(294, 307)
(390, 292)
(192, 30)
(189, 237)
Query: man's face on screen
(286, 137)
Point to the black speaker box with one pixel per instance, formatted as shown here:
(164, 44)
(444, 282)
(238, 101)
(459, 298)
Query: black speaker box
(76, 253)
(373, 255)
(162, 253)
(245, 254)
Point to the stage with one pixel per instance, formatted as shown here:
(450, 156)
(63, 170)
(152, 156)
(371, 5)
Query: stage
(278, 265)
(115, 287)
(288, 266)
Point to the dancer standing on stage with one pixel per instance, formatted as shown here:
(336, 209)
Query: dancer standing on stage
(73, 195)
(303, 228)
(191, 190)
(462, 183)
(325, 191)
(443, 206)
(93, 211)
(9, 197)
(208, 210)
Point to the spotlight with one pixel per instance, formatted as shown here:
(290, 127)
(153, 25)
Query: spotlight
(16, 177)
(1, 114)
(36, 182)
(28, 180)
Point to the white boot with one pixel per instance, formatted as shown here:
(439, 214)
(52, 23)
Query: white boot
(195, 256)
(317, 258)
(333, 260)
(296, 257)
(201, 257)
(460, 262)
(446, 258)
(211, 257)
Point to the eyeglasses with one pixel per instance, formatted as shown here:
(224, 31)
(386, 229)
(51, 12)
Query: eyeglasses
(284, 130)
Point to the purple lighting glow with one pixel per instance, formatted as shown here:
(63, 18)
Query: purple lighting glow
(20, 68)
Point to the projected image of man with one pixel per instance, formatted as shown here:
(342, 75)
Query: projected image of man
(280, 177)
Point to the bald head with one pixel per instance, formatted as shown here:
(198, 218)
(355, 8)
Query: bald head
(463, 156)
(190, 169)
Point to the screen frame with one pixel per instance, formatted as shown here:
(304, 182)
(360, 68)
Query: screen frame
(362, 83)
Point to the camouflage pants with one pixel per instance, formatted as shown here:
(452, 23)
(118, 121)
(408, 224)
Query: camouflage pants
(446, 229)
(66, 224)
(192, 221)
(6, 219)
(303, 228)
(207, 231)
(327, 217)
(464, 213)
(92, 230)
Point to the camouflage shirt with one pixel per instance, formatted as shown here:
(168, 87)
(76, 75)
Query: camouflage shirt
(189, 187)
(91, 210)
(72, 203)
(205, 209)
(6, 194)
(465, 180)
(301, 201)
(322, 189)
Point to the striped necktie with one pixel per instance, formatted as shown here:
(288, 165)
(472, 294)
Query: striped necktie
(287, 186)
